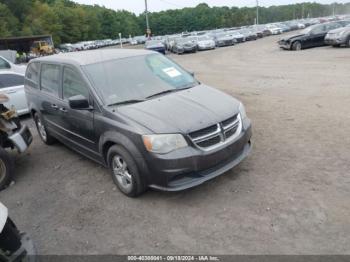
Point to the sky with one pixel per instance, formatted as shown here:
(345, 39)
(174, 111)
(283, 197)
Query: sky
(138, 6)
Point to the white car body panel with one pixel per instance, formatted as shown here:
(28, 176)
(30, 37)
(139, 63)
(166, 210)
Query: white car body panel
(20, 69)
(17, 97)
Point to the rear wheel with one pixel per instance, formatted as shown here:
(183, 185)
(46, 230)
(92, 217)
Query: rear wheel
(6, 168)
(296, 46)
(42, 130)
(125, 172)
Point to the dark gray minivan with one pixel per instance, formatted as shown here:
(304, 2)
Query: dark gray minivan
(140, 114)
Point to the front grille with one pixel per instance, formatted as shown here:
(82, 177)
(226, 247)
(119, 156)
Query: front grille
(203, 132)
(212, 136)
(209, 142)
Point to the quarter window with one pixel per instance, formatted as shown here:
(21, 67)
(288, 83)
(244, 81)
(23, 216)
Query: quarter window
(73, 84)
(50, 78)
(32, 74)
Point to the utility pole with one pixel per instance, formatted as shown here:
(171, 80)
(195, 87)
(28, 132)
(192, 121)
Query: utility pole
(147, 21)
(333, 9)
(257, 12)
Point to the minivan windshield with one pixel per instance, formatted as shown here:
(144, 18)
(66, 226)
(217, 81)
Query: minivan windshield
(137, 78)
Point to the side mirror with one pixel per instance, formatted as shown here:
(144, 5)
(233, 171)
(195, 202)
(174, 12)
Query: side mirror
(191, 73)
(79, 102)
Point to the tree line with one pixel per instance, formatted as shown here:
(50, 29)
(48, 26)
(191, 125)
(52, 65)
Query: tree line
(70, 22)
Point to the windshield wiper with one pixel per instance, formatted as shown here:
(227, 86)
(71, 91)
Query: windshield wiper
(131, 101)
(171, 90)
(163, 92)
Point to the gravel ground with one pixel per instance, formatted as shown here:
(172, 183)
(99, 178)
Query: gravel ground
(291, 196)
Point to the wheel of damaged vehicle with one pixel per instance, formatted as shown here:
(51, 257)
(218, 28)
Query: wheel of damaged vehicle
(125, 172)
(296, 46)
(42, 130)
(6, 168)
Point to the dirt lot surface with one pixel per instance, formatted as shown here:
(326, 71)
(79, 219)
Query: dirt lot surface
(291, 196)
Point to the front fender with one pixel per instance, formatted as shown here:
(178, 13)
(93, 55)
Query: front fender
(112, 137)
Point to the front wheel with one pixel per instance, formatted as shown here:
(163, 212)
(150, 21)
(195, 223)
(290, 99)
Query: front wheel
(6, 168)
(296, 46)
(125, 172)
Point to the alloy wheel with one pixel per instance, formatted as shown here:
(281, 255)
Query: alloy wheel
(41, 129)
(121, 173)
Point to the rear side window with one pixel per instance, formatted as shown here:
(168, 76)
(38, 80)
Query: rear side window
(319, 29)
(73, 84)
(50, 78)
(32, 75)
(4, 64)
(9, 80)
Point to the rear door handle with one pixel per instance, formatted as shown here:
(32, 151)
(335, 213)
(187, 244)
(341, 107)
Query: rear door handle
(54, 106)
(62, 109)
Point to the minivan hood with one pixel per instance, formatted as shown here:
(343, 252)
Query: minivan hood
(184, 111)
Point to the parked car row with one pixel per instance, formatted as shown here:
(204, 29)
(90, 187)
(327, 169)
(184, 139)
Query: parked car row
(330, 33)
(206, 40)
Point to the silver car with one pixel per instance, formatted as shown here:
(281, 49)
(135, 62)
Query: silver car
(12, 85)
(205, 42)
(338, 37)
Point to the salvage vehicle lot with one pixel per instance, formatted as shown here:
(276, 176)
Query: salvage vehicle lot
(289, 197)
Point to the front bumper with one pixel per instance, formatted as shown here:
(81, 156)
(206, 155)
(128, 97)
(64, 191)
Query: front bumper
(22, 139)
(193, 167)
(284, 45)
(334, 41)
(206, 47)
(190, 49)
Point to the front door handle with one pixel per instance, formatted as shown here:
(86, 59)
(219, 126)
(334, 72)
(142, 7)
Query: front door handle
(11, 92)
(54, 106)
(62, 109)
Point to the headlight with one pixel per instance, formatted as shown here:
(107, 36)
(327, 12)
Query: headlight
(163, 144)
(242, 111)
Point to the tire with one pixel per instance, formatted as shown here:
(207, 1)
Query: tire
(6, 168)
(124, 171)
(348, 42)
(42, 131)
(336, 45)
(296, 46)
